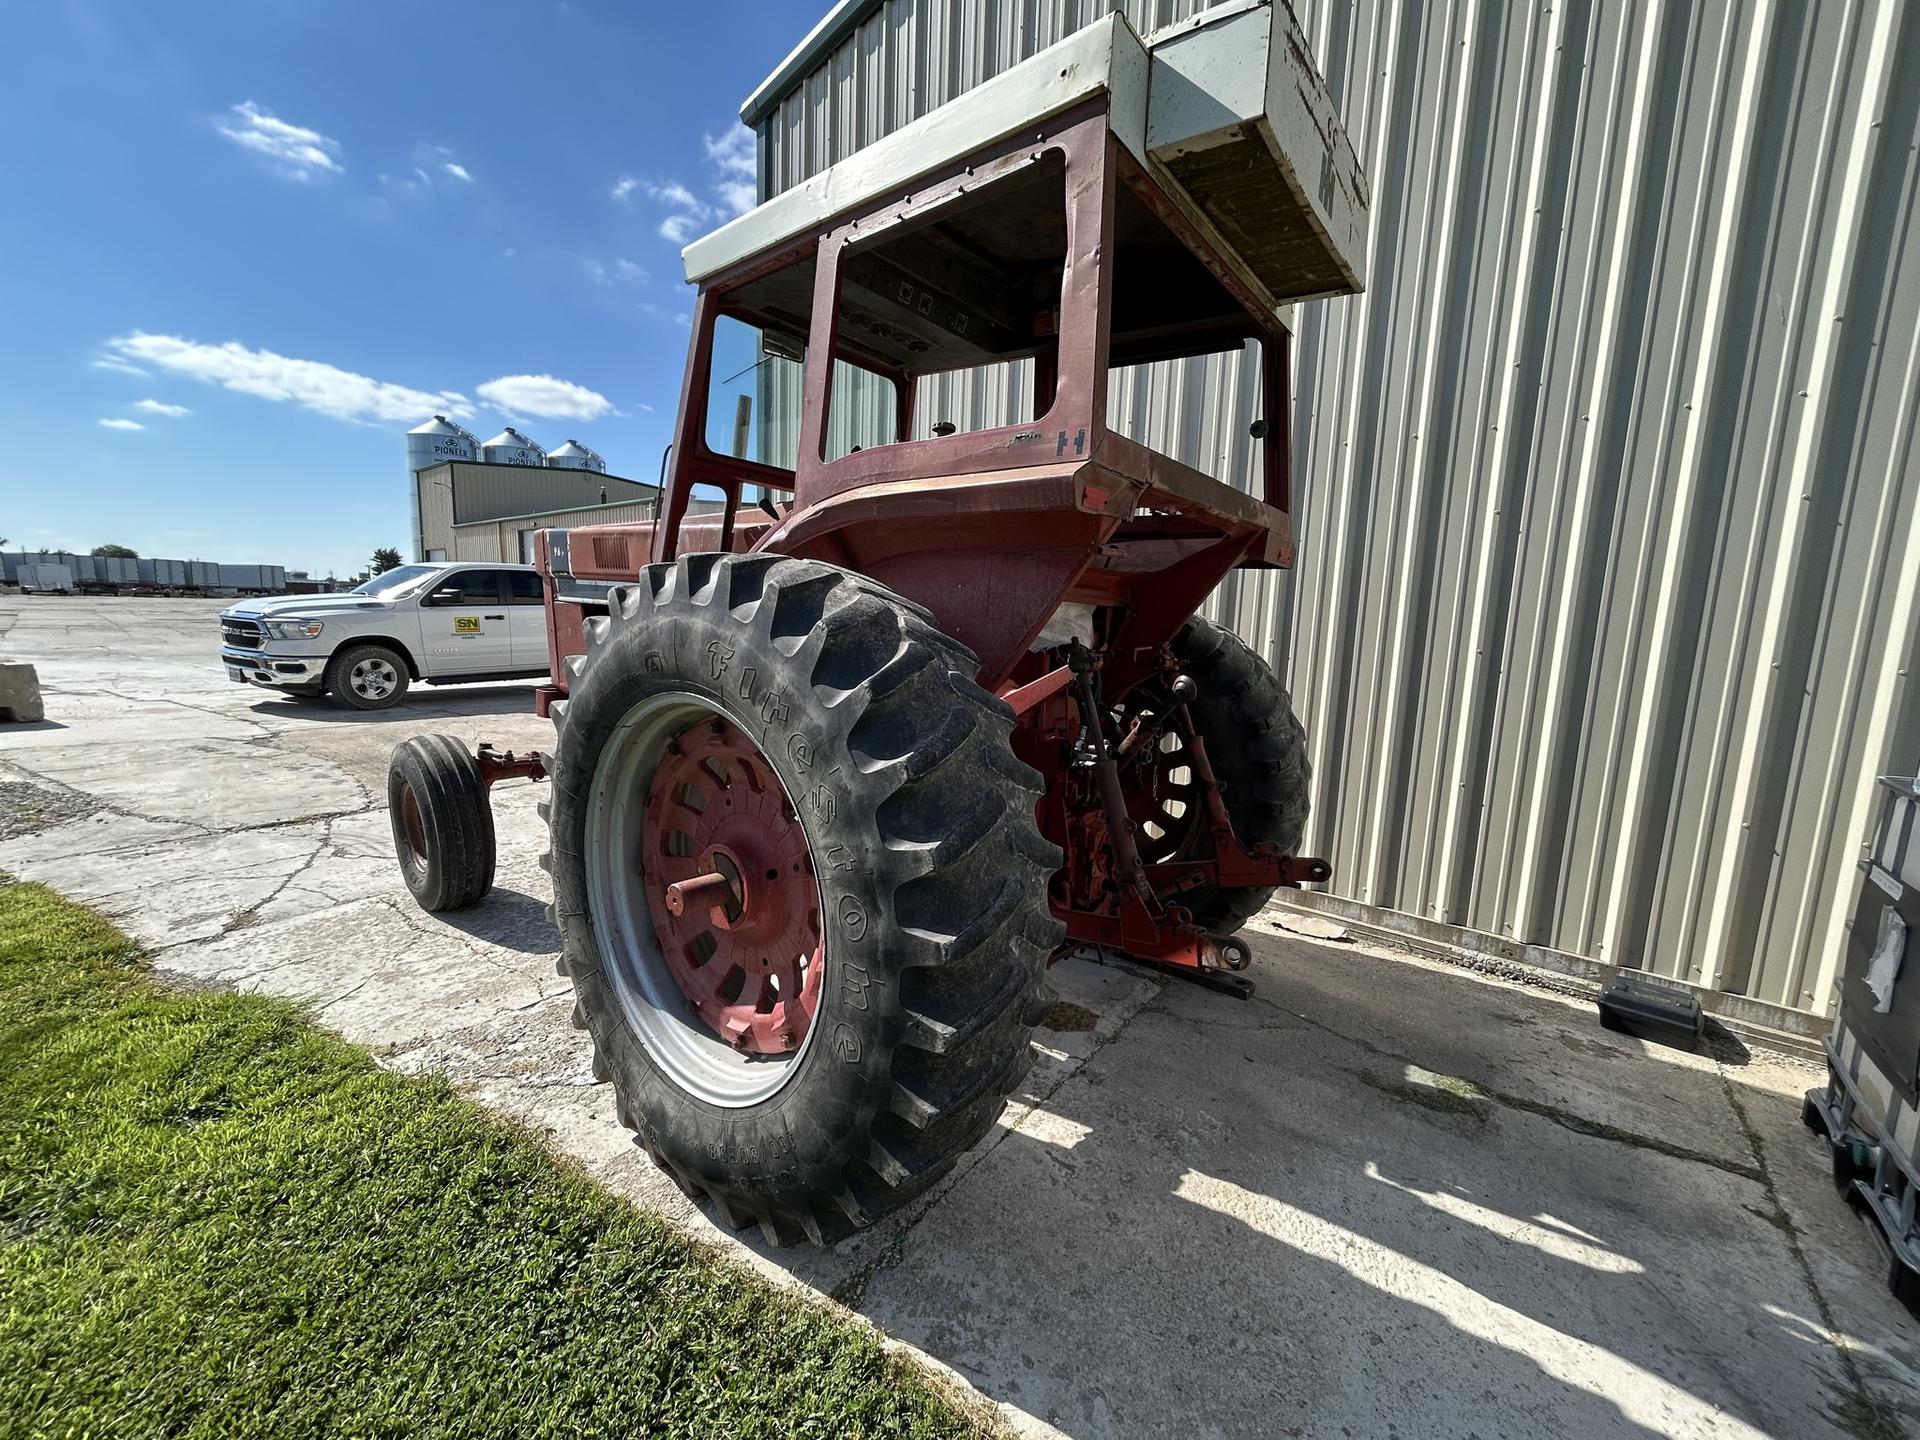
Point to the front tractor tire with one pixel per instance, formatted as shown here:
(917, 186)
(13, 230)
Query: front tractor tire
(800, 889)
(442, 822)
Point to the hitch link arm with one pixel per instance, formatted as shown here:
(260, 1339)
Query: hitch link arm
(1113, 800)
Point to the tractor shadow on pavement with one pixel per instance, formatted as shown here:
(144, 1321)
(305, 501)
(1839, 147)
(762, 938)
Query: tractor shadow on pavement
(1300, 1216)
(508, 918)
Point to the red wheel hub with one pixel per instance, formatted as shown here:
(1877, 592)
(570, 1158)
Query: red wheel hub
(414, 827)
(1163, 797)
(732, 892)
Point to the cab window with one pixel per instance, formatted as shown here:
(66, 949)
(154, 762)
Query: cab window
(962, 299)
(524, 588)
(753, 393)
(468, 587)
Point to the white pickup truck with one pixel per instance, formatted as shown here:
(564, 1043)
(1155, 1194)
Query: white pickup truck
(439, 624)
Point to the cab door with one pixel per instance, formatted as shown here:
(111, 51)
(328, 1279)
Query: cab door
(463, 624)
(527, 618)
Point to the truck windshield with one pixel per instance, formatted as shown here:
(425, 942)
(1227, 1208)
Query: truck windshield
(392, 582)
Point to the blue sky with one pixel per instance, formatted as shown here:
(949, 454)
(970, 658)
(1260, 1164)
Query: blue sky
(243, 246)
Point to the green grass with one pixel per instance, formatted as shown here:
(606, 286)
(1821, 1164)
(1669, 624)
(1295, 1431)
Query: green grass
(218, 1219)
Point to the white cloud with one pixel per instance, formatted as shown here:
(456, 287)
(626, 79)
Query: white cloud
(688, 213)
(730, 180)
(679, 228)
(118, 366)
(116, 423)
(160, 407)
(621, 272)
(542, 397)
(434, 168)
(732, 150)
(295, 150)
(677, 196)
(312, 384)
(731, 154)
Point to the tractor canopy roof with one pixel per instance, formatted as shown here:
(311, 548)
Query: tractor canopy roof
(1225, 110)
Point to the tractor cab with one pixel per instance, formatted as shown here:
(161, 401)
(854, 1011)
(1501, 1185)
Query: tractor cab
(957, 360)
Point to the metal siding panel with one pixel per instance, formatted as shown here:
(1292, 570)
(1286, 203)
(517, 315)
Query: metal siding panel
(499, 541)
(436, 511)
(492, 492)
(911, 56)
(1607, 490)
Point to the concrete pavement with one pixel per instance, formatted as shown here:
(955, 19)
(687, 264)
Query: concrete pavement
(1385, 1197)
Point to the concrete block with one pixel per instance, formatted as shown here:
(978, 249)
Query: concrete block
(20, 695)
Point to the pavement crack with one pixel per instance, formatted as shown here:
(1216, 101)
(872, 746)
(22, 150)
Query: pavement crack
(346, 994)
(1857, 1409)
(218, 714)
(251, 915)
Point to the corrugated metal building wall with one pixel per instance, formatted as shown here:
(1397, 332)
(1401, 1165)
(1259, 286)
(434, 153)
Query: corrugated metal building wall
(1607, 488)
(492, 492)
(465, 506)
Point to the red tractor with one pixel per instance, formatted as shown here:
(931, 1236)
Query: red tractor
(905, 693)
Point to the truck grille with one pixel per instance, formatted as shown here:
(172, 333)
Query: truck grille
(243, 634)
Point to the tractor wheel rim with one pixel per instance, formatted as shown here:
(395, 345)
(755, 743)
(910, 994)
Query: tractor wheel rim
(1162, 793)
(723, 1006)
(413, 827)
(373, 679)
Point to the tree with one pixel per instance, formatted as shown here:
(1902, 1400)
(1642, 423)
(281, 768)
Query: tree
(384, 559)
(115, 552)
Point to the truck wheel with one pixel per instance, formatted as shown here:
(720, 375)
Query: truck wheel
(368, 677)
(799, 886)
(442, 822)
(1259, 755)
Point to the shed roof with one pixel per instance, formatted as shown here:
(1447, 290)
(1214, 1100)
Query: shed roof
(834, 26)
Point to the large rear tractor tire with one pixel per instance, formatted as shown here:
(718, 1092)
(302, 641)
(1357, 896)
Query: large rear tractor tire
(1258, 751)
(799, 886)
(442, 822)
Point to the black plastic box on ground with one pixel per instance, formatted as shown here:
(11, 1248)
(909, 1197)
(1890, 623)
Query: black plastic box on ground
(1652, 1012)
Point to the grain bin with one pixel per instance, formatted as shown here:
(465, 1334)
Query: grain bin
(438, 441)
(510, 447)
(575, 456)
